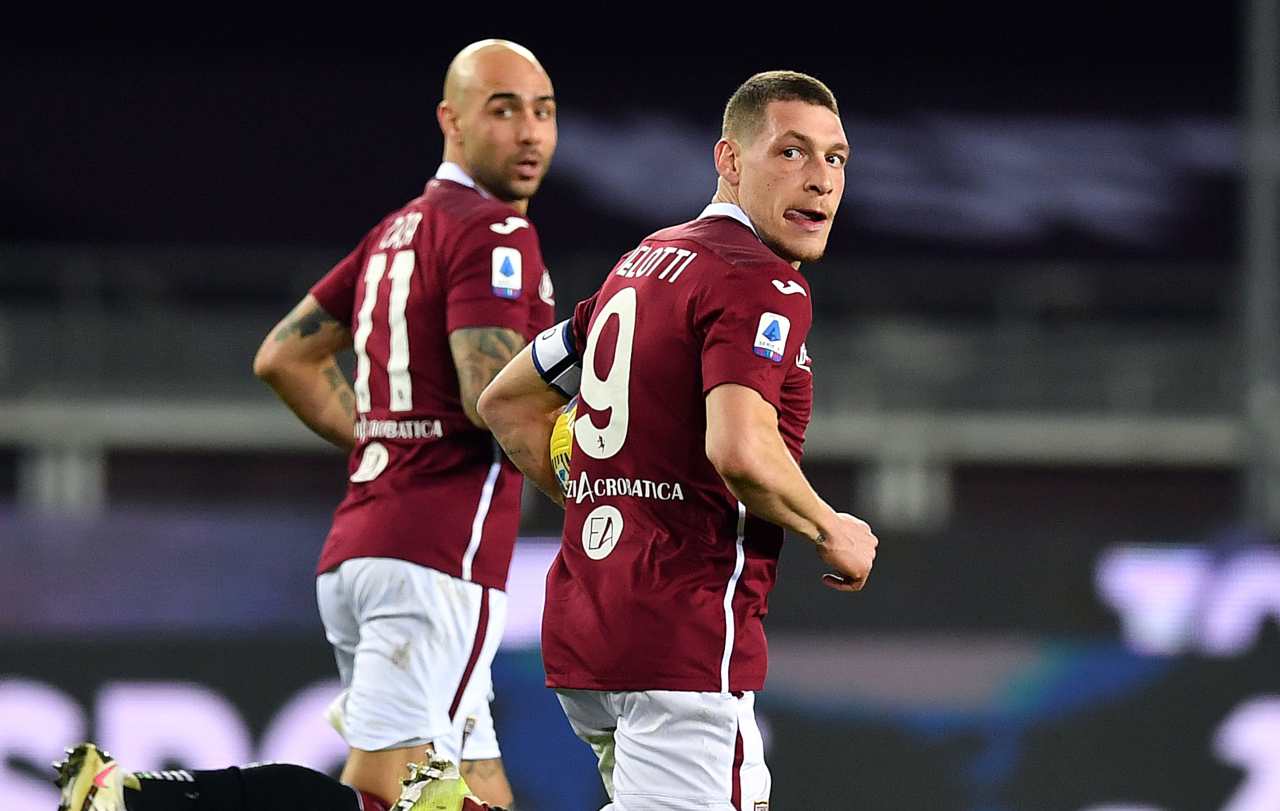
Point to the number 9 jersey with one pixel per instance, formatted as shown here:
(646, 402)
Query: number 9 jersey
(426, 485)
(662, 579)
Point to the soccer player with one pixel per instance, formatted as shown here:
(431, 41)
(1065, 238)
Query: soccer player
(435, 300)
(694, 391)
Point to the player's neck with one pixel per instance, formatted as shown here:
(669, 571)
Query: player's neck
(521, 206)
(727, 194)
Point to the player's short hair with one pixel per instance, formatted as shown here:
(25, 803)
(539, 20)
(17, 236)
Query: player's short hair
(744, 114)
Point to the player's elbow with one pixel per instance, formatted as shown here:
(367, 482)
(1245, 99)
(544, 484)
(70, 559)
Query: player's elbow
(493, 408)
(736, 459)
(266, 363)
(471, 407)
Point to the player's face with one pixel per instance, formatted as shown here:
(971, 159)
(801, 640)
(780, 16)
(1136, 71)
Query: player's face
(509, 127)
(792, 178)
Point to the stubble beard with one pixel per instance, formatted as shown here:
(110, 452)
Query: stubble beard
(790, 255)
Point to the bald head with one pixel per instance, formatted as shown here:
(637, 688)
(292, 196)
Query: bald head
(483, 63)
(498, 117)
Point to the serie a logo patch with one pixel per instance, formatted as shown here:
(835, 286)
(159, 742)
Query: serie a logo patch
(771, 336)
(507, 264)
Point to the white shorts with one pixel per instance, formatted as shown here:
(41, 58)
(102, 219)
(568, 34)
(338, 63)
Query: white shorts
(414, 648)
(662, 750)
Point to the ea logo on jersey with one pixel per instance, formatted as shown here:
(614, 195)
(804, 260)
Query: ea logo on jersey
(600, 531)
(771, 336)
(506, 272)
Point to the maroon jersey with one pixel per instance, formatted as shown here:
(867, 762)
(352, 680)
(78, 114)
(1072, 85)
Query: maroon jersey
(426, 485)
(662, 579)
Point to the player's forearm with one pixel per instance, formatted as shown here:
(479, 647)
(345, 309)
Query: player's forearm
(762, 474)
(479, 353)
(320, 396)
(521, 411)
(525, 441)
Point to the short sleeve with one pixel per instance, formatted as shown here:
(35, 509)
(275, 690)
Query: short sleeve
(336, 291)
(492, 277)
(581, 322)
(752, 329)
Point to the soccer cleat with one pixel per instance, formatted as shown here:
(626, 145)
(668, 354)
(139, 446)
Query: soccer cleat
(436, 786)
(91, 780)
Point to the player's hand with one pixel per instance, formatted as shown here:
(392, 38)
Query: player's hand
(849, 547)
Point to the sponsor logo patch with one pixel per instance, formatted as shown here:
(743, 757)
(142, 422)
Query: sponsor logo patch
(509, 226)
(771, 336)
(507, 264)
(600, 531)
(790, 288)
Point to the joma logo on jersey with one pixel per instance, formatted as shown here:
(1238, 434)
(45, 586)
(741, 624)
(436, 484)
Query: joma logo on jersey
(790, 288)
(510, 226)
(507, 265)
(771, 336)
(584, 488)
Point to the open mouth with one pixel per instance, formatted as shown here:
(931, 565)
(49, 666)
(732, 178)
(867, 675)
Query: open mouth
(528, 168)
(810, 219)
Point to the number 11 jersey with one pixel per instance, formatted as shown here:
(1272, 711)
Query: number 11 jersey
(426, 485)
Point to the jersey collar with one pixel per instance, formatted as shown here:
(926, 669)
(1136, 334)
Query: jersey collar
(456, 174)
(728, 210)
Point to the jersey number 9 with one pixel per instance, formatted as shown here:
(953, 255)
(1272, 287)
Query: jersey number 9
(611, 393)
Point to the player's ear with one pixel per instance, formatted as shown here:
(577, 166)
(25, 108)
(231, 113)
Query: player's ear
(727, 163)
(448, 119)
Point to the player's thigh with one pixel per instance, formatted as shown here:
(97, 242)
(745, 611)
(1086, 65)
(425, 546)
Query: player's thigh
(678, 750)
(421, 633)
(474, 736)
(339, 620)
(593, 716)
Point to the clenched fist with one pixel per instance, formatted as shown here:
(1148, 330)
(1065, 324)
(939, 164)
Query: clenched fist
(849, 547)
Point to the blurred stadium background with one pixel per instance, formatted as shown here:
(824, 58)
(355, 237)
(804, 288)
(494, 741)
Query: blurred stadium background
(1047, 371)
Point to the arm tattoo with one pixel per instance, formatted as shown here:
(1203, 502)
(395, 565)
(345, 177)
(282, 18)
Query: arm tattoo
(480, 353)
(307, 323)
(481, 768)
(338, 385)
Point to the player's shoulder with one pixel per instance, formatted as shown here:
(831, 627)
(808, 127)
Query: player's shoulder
(732, 257)
(724, 239)
(465, 210)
